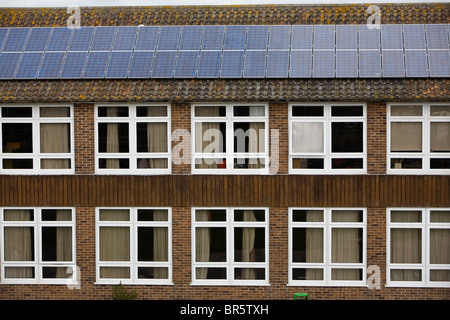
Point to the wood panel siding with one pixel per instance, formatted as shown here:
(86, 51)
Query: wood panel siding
(227, 190)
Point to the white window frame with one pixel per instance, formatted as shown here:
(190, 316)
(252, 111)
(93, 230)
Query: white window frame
(230, 155)
(37, 224)
(425, 155)
(327, 265)
(229, 264)
(133, 264)
(133, 155)
(328, 155)
(37, 155)
(425, 266)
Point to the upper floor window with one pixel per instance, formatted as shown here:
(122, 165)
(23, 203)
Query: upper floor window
(36, 139)
(133, 139)
(327, 138)
(418, 138)
(230, 138)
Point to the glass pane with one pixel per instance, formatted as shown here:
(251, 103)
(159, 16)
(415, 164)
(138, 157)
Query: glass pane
(19, 243)
(56, 272)
(308, 137)
(210, 215)
(114, 215)
(153, 244)
(346, 274)
(249, 215)
(18, 215)
(210, 245)
(249, 111)
(17, 112)
(19, 272)
(246, 163)
(56, 244)
(406, 216)
(153, 111)
(440, 163)
(307, 163)
(307, 215)
(406, 110)
(17, 164)
(347, 216)
(55, 137)
(406, 163)
(56, 215)
(210, 137)
(349, 163)
(347, 111)
(440, 111)
(153, 215)
(440, 246)
(249, 137)
(249, 273)
(114, 244)
(153, 273)
(210, 111)
(347, 137)
(55, 164)
(113, 111)
(440, 275)
(54, 112)
(152, 137)
(440, 137)
(114, 163)
(406, 275)
(406, 245)
(346, 245)
(440, 216)
(113, 137)
(307, 245)
(406, 137)
(307, 111)
(17, 137)
(249, 245)
(211, 273)
(307, 274)
(210, 163)
(152, 163)
(114, 272)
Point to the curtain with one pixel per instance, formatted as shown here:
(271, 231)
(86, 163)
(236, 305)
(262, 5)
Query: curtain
(256, 141)
(18, 244)
(202, 243)
(156, 138)
(112, 139)
(440, 246)
(63, 241)
(248, 246)
(406, 136)
(161, 244)
(204, 133)
(440, 136)
(55, 138)
(314, 246)
(307, 137)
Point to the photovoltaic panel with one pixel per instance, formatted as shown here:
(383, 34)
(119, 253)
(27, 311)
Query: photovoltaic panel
(125, 38)
(141, 64)
(416, 63)
(324, 37)
(232, 64)
(59, 39)
(300, 64)
(235, 38)
(81, 39)
(169, 37)
(277, 64)
(346, 64)
(8, 64)
(439, 63)
(391, 36)
(186, 65)
(164, 64)
(255, 64)
(147, 38)
(29, 65)
(73, 65)
(437, 36)
(414, 36)
(279, 37)
(323, 63)
(96, 64)
(191, 38)
(369, 64)
(393, 63)
(209, 64)
(15, 42)
(3, 34)
(347, 37)
(257, 37)
(38, 39)
(51, 65)
(103, 38)
(213, 37)
(302, 37)
(369, 38)
(119, 63)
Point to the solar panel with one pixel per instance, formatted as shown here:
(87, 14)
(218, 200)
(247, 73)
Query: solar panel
(169, 37)
(3, 35)
(279, 37)
(414, 36)
(29, 65)
(209, 64)
(96, 64)
(255, 64)
(235, 38)
(439, 63)
(324, 37)
(15, 42)
(391, 36)
(59, 39)
(186, 65)
(73, 65)
(8, 64)
(141, 64)
(163, 64)
(38, 39)
(437, 36)
(147, 38)
(125, 38)
(257, 37)
(191, 38)
(416, 63)
(213, 37)
(346, 64)
(232, 64)
(369, 39)
(393, 63)
(324, 63)
(277, 64)
(81, 39)
(119, 64)
(51, 65)
(300, 64)
(103, 38)
(302, 37)
(346, 37)
(369, 64)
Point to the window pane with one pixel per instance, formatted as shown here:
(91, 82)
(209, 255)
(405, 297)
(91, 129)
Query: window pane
(440, 163)
(153, 273)
(17, 137)
(152, 137)
(17, 112)
(113, 137)
(114, 163)
(307, 215)
(307, 245)
(55, 137)
(114, 272)
(349, 163)
(307, 111)
(152, 163)
(346, 245)
(153, 244)
(114, 215)
(56, 215)
(347, 216)
(308, 137)
(17, 163)
(54, 112)
(211, 273)
(210, 215)
(406, 163)
(307, 163)
(440, 275)
(440, 246)
(19, 272)
(440, 137)
(249, 163)
(210, 163)
(347, 137)
(249, 215)
(249, 273)
(153, 111)
(249, 137)
(406, 245)
(19, 243)
(307, 274)
(406, 275)
(114, 244)
(246, 111)
(249, 245)
(153, 215)
(347, 111)
(55, 164)
(56, 272)
(113, 111)
(440, 216)
(18, 215)
(406, 137)
(346, 274)
(210, 245)
(440, 111)
(210, 137)
(406, 110)
(56, 244)
(210, 111)
(406, 216)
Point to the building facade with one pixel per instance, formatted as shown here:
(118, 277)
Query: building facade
(340, 187)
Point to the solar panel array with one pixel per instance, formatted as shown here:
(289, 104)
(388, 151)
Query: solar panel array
(218, 51)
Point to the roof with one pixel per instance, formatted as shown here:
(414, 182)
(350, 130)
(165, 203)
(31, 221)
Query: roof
(191, 90)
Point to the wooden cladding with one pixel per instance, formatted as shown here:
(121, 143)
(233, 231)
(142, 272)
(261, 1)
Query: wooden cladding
(228, 190)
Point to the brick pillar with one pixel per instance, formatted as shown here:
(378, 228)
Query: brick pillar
(376, 138)
(181, 136)
(278, 126)
(84, 138)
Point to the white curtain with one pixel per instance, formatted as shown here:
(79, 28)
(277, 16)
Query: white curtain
(202, 243)
(112, 139)
(248, 246)
(256, 141)
(307, 137)
(406, 136)
(54, 138)
(160, 244)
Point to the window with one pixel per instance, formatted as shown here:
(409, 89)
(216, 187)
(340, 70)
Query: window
(38, 245)
(327, 247)
(418, 247)
(418, 138)
(230, 139)
(36, 139)
(133, 138)
(230, 246)
(134, 246)
(327, 138)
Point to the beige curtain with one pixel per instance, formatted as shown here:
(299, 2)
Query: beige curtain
(161, 244)
(202, 243)
(406, 246)
(256, 141)
(55, 138)
(18, 244)
(248, 246)
(314, 246)
(63, 241)
(406, 136)
(440, 137)
(157, 138)
(204, 133)
(112, 139)
(440, 246)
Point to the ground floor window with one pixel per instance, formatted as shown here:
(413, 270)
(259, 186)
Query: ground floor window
(230, 246)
